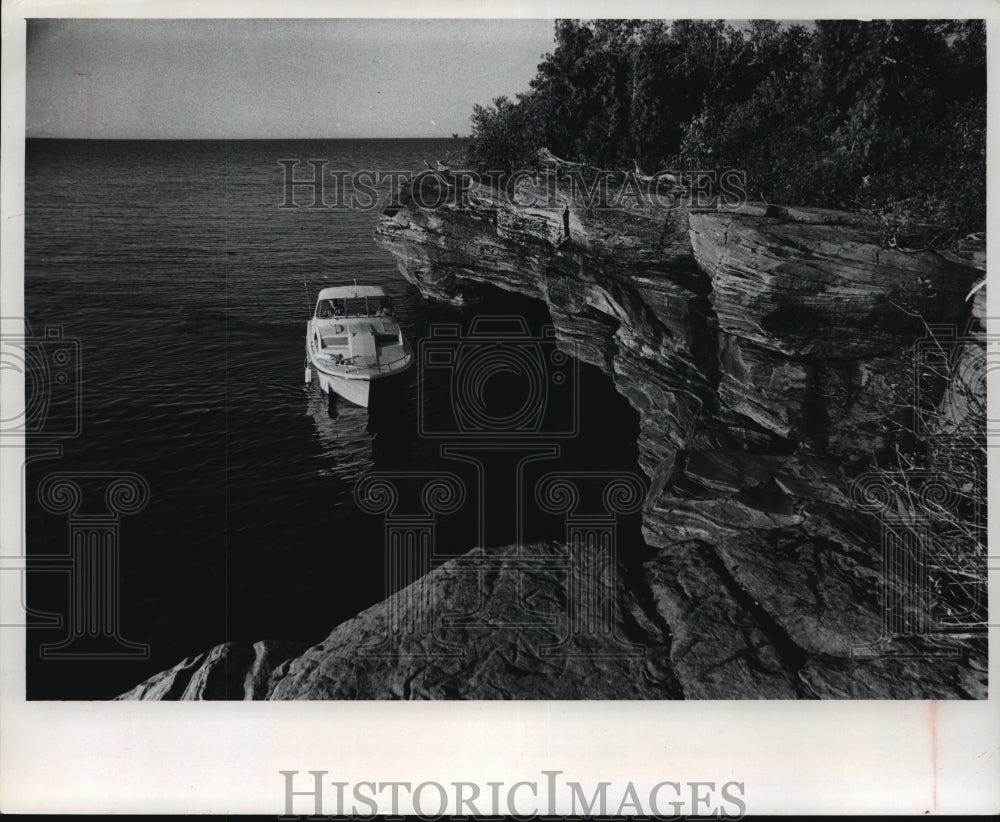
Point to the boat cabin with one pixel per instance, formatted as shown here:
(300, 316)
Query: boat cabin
(353, 301)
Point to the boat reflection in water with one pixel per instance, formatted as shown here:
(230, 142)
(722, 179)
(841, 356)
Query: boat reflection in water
(355, 439)
(342, 429)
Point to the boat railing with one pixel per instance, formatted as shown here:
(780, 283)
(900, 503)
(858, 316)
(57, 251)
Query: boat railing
(351, 368)
(402, 358)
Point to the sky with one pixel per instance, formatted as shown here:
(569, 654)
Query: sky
(258, 79)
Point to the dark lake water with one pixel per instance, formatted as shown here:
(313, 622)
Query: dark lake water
(182, 280)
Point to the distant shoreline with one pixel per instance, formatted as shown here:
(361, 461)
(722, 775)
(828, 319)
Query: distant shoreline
(29, 138)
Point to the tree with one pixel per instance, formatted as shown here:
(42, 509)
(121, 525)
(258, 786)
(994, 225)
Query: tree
(886, 116)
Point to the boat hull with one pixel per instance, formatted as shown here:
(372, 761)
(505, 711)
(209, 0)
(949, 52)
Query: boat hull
(356, 391)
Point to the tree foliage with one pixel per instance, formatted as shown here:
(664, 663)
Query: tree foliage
(887, 116)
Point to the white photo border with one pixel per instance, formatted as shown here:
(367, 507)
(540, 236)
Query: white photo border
(793, 757)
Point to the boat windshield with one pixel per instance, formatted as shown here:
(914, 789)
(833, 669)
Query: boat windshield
(355, 307)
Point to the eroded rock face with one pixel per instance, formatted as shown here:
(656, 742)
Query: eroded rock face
(769, 353)
(487, 625)
(812, 290)
(229, 671)
(490, 640)
(498, 627)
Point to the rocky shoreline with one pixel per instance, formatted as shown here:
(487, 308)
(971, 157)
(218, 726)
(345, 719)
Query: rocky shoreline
(772, 355)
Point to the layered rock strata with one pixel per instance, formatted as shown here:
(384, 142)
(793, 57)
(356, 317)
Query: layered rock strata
(774, 356)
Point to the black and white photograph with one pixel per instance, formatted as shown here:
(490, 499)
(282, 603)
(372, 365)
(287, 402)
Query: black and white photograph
(501, 360)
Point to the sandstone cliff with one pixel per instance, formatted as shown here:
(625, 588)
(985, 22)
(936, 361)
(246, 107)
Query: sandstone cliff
(774, 356)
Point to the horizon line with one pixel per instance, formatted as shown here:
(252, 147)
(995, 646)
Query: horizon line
(244, 139)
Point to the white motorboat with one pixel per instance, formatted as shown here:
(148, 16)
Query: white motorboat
(352, 340)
